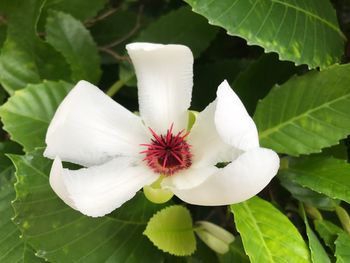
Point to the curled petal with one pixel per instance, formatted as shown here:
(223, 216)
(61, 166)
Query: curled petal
(207, 146)
(164, 74)
(90, 128)
(243, 178)
(233, 122)
(98, 190)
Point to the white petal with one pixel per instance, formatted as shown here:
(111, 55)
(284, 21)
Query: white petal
(189, 178)
(164, 74)
(237, 182)
(90, 128)
(98, 190)
(233, 123)
(207, 147)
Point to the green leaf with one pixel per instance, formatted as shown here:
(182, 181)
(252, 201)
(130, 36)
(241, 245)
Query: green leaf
(27, 114)
(12, 247)
(235, 254)
(267, 234)
(171, 230)
(68, 36)
(61, 234)
(325, 175)
(253, 83)
(306, 113)
(327, 231)
(306, 195)
(342, 248)
(318, 254)
(305, 32)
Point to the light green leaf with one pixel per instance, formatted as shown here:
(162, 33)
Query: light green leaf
(342, 248)
(171, 230)
(267, 234)
(68, 36)
(325, 175)
(305, 32)
(327, 231)
(61, 234)
(318, 254)
(306, 113)
(27, 114)
(12, 247)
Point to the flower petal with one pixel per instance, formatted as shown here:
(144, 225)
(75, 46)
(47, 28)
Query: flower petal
(237, 182)
(98, 190)
(90, 128)
(233, 122)
(164, 74)
(207, 147)
(189, 178)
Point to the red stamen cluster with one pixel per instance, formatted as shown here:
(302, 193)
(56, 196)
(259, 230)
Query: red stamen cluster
(168, 154)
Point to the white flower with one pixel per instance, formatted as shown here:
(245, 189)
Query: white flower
(123, 152)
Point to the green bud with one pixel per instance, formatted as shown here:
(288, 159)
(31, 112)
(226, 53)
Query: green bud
(156, 194)
(214, 236)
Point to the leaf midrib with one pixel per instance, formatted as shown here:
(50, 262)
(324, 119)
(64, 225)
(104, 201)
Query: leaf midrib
(268, 131)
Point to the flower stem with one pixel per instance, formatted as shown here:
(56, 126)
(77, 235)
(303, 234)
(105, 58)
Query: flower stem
(115, 88)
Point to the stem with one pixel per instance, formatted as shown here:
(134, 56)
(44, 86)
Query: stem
(116, 87)
(343, 217)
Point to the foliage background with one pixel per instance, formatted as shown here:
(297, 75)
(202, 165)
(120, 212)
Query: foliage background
(286, 59)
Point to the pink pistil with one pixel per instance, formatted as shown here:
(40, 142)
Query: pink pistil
(169, 153)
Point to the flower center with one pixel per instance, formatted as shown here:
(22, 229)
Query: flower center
(169, 153)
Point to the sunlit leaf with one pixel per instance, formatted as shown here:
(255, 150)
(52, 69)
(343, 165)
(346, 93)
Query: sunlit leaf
(306, 113)
(305, 32)
(267, 234)
(171, 230)
(342, 248)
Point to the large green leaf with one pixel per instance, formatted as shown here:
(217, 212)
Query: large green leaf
(325, 175)
(306, 113)
(69, 36)
(27, 114)
(342, 248)
(61, 234)
(267, 234)
(305, 32)
(171, 230)
(12, 247)
(25, 58)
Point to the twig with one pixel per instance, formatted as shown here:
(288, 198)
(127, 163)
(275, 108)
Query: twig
(104, 15)
(114, 54)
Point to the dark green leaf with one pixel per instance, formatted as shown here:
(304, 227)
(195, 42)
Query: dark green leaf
(325, 175)
(327, 231)
(12, 247)
(60, 234)
(342, 248)
(306, 195)
(236, 253)
(305, 32)
(306, 113)
(267, 234)
(318, 254)
(68, 36)
(27, 114)
(254, 83)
